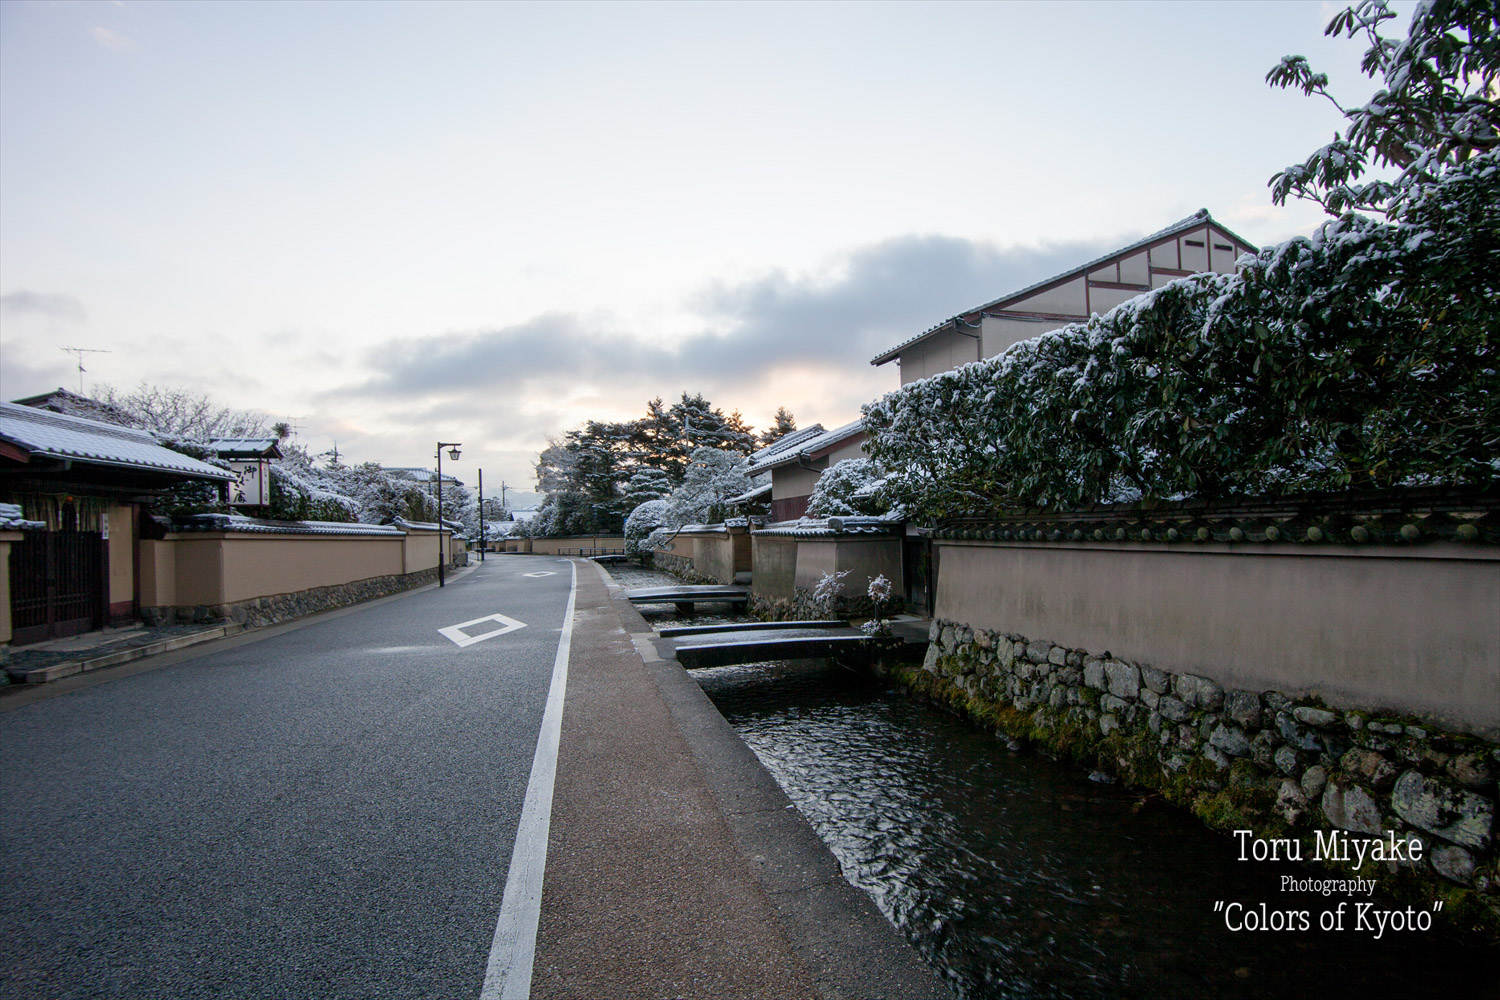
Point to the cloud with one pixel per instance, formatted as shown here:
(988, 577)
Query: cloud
(112, 40)
(20, 303)
(878, 296)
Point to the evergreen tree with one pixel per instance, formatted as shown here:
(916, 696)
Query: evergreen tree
(785, 424)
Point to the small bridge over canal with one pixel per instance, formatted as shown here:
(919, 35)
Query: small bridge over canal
(753, 642)
(688, 598)
(699, 646)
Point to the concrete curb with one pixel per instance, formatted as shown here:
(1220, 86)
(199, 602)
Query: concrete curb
(67, 668)
(844, 941)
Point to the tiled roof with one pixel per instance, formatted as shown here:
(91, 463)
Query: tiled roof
(751, 494)
(830, 527)
(1193, 221)
(45, 434)
(12, 519)
(256, 525)
(250, 447)
(808, 447)
(787, 440)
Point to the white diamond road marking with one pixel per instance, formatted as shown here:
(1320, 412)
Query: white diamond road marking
(460, 639)
(545, 572)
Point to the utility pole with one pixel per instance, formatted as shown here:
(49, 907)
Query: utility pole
(481, 515)
(502, 498)
(79, 352)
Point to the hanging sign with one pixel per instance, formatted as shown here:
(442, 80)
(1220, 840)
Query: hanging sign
(249, 486)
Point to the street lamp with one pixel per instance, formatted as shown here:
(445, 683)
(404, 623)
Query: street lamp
(452, 447)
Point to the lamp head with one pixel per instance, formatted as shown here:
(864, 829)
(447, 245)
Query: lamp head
(453, 453)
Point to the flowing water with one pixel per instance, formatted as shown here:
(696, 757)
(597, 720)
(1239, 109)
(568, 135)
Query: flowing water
(1017, 876)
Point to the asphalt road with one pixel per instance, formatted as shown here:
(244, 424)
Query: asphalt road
(328, 811)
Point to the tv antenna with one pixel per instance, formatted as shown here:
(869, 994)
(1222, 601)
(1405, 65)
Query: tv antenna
(79, 352)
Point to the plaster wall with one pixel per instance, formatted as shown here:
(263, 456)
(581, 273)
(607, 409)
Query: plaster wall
(6, 538)
(121, 554)
(1415, 630)
(552, 546)
(774, 562)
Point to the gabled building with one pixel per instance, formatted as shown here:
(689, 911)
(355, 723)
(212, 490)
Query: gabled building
(794, 468)
(80, 484)
(1194, 245)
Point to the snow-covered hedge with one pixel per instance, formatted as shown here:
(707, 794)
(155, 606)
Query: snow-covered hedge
(644, 520)
(1363, 356)
(848, 488)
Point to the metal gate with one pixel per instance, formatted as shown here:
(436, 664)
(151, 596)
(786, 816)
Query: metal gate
(56, 584)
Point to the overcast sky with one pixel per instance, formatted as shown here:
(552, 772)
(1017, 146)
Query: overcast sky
(395, 223)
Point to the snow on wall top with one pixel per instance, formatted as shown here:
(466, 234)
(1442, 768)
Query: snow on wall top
(12, 519)
(54, 435)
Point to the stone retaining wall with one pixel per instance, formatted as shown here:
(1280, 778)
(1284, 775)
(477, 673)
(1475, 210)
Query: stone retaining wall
(1257, 760)
(285, 607)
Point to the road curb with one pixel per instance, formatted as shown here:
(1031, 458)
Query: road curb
(67, 668)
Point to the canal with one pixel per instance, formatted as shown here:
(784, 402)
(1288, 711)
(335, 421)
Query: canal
(1018, 876)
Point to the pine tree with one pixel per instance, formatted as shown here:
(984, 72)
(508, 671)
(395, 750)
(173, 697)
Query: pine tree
(785, 424)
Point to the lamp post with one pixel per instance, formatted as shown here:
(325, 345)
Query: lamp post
(481, 515)
(453, 454)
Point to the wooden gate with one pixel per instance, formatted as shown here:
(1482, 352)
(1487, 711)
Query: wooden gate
(56, 584)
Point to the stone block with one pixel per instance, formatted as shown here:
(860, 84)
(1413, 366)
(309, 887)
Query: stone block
(1314, 780)
(1037, 652)
(1455, 814)
(1291, 802)
(1109, 703)
(1350, 807)
(1296, 735)
(1123, 679)
(1173, 709)
(1093, 675)
(1370, 767)
(984, 639)
(1472, 770)
(1216, 757)
(1155, 680)
(930, 661)
(1287, 762)
(1453, 863)
(1316, 717)
(1231, 739)
(1057, 656)
(1200, 692)
(1150, 698)
(1243, 707)
(1108, 724)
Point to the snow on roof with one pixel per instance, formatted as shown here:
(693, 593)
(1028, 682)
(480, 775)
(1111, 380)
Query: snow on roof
(787, 440)
(12, 519)
(45, 434)
(256, 525)
(753, 493)
(1198, 218)
(247, 447)
(811, 527)
(810, 447)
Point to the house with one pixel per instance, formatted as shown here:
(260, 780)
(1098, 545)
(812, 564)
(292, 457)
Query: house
(1191, 246)
(794, 468)
(80, 485)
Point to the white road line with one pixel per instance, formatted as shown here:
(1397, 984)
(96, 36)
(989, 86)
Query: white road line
(508, 974)
(462, 639)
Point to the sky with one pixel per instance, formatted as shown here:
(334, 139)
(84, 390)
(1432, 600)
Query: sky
(397, 223)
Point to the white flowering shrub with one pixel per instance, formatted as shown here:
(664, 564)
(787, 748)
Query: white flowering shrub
(826, 594)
